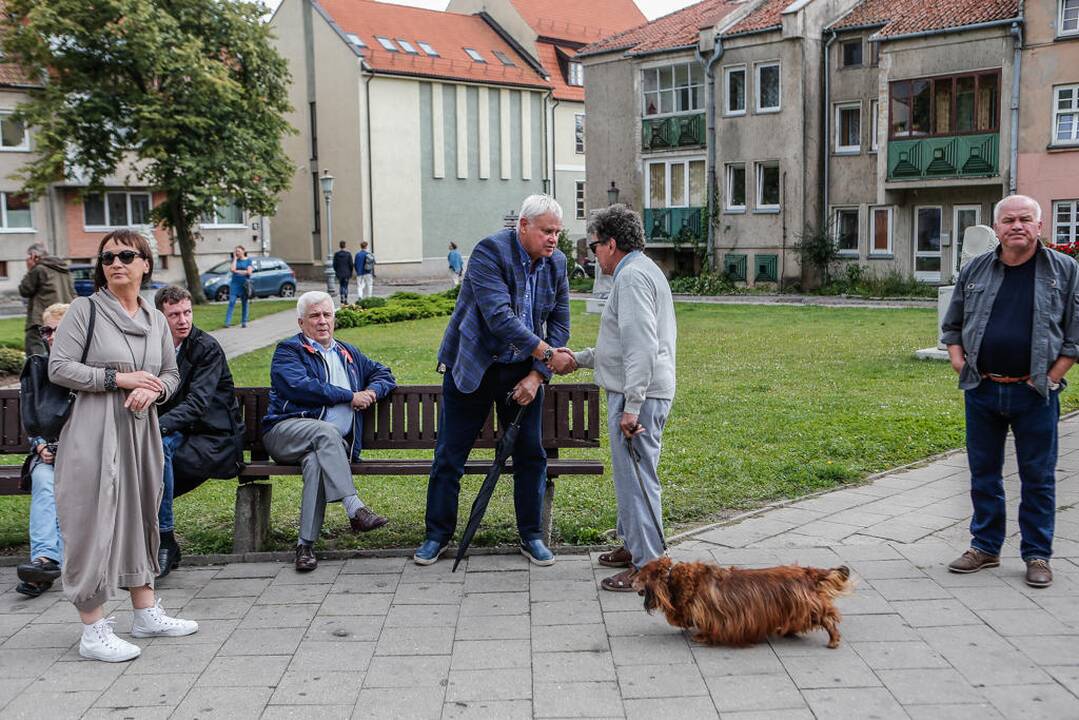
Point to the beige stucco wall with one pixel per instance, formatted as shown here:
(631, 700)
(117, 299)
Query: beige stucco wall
(612, 136)
(569, 165)
(395, 167)
(13, 244)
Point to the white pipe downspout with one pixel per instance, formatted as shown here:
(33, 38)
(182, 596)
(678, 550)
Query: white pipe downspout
(710, 141)
(1017, 37)
(828, 126)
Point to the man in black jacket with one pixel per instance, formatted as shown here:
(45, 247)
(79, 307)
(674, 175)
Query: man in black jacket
(201, 427)
(342, 268)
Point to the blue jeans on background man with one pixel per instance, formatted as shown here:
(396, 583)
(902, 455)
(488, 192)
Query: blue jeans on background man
(45, 539)
(169, 443)
(991, 408)
(462, 416)
(343, 288)
(237, 291)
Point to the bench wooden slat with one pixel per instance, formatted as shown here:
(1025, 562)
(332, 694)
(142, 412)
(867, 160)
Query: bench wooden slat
(384, 466)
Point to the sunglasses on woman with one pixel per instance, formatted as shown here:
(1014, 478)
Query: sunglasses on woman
(126, 257)
(46, 332)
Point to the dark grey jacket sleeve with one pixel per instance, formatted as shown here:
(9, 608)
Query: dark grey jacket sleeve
(951, 327)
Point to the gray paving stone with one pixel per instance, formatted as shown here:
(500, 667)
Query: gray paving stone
(293, 594)
(983, 711)
(423, 703)
(863, 601)
(305, 712)
(653, 681)
(1066, 675)
(326, 573)
(234, 571)
(482, 654)
(161, 658)
(559, 590)
(211, 632)
(785, 714)
(63, 678)
(983, 657)
(373, 565)
(752, 660)
(313, 656)
(243, 587)
(352, 604)
(568, 638)
(140, 713)
(42, 636)
(493, 627)
(568, 612)
(870, 552)
(10, 687)
(1056, 650)
(226, 703)
(934, 613)
(863, 628)
(281, 641)
(841, 668)
(1033, 702)
(316, 687)
(577, 700)
(898, 655)
(362, 584)
(617, 601)
(279, 616)
(490, 684)
(637, 623)
(732, 693)
(556, 667)
(488, 710)
(427, 594)
(921, 685)
(1023, 622)
(910, 589)
(392, 671)
(439, 573)
(216, 608)
(336, 628)
(854, 704)
(897, 530)
(508, 603)
(135, 690)
(650, 650)
(697, 707)
(506, 581)
(422, 616)
(415, 641)
(997, 597)
(28, 706)
(873, 570)
(244, 671)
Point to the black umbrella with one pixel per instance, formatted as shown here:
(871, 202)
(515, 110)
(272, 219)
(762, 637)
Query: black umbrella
(483, 497)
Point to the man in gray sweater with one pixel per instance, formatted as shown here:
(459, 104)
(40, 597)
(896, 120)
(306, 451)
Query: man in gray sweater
(634, 362)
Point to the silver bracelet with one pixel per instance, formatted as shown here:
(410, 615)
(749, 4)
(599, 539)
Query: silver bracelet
(110, 379)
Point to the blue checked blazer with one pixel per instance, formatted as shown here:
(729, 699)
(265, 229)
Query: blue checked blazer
(485, 328)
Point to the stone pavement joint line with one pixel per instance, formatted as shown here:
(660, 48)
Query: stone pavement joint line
(378, 637)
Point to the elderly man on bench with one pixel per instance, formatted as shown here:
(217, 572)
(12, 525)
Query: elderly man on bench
(319, 388)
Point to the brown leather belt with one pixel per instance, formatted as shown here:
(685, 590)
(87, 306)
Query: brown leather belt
(1004, 378)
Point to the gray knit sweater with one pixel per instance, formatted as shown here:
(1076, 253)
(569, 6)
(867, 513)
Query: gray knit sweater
(634, 353)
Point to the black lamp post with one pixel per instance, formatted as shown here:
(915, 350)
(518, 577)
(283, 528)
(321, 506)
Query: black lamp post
(326, 181)
(612, 194)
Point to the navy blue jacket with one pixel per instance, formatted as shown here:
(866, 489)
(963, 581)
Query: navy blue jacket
(485, 327)
(300, 387)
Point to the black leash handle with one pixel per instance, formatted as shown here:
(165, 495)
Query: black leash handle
(636, 457)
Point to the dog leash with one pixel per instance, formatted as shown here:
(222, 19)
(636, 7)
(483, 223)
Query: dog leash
(636, 457)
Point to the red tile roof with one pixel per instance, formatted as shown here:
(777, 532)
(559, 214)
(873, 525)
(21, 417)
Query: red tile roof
(548, 57)
(766, 16)
(902, 17)
(579, 20)
(677, 30)
(14, 75)
(447, 33)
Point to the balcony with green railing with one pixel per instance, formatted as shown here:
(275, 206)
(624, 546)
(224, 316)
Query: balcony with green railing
(942, 158)
(677, 131)
(676, 225)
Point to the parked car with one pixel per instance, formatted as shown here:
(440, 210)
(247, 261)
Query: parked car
(272, 276)
(584, 267)
(82, 275)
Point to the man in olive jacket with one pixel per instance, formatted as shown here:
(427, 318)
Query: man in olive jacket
(47, 281)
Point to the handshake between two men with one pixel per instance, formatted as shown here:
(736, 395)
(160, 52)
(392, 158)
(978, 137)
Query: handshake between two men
(564, 361)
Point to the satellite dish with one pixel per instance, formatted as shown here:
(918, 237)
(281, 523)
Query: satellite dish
(977, 240)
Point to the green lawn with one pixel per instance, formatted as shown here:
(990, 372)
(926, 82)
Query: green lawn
(773, 402)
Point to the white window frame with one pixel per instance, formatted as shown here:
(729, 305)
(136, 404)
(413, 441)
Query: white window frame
(687, 159)
(956, 239)
(872, 250)
(387, 44)
(109, 224)
(675, 88)
(727, 72)
(926, 276)
(474, 55)
(1061, 31)
(757, 86)
(407, 46)
(25, 146)
(579, 198)
(1073, 111)
(575, 74)
(728, 185)
(3, 216)
(847, 149)
(426, 47)
(847, 252)
(579, 143)
(759, 167)
(226, 226)
(874, 127)
(356, 40)
(1073, 224)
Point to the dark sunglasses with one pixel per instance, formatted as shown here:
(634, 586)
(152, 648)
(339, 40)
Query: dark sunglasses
(126, 257)
(596, 243)
(46, 332)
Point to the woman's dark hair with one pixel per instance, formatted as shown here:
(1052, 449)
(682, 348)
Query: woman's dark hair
(242, 248)
(453, 245)
(620, 223)
(132, 239)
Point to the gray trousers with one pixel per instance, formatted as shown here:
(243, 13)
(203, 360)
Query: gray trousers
(323, 456)
(635, 525)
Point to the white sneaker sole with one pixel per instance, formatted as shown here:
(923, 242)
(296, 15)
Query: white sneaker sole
(174, 632)
(429, 561)
(110, 658)
(536, 561)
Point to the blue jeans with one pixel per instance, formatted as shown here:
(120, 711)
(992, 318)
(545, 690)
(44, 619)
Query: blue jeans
(45, 540)
(461, 418)
(237, 291)
(169, 443)
(343, 287)
(992, 408)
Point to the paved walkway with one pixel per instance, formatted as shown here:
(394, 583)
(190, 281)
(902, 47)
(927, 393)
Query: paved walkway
(833, 301)
(383, 638)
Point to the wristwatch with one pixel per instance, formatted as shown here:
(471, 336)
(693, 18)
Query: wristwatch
(548, 354)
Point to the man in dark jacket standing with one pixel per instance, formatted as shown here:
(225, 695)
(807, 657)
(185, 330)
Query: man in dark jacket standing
(47, 282)
(319, 389)
(342, 268)
(201, 427)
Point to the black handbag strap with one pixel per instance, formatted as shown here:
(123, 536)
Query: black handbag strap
(89, 332)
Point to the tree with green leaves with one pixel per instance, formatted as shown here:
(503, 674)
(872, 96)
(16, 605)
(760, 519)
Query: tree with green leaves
(187, 97)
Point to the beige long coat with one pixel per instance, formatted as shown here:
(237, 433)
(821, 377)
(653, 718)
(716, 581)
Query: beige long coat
(109, 463)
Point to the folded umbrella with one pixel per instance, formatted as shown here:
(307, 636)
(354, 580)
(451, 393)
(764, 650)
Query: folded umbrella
(479, 506)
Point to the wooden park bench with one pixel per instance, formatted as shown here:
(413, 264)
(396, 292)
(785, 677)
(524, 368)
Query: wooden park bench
(405, 420)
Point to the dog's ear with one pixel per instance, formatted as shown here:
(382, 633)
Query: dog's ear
(652, 581)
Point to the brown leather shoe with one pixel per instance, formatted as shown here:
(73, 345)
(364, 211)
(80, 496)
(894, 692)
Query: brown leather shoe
(305, 558)
(1038, 573)
(974, 560)
(365, 521)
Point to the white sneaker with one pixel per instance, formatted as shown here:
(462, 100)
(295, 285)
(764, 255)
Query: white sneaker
(153, 622)
(100, 643)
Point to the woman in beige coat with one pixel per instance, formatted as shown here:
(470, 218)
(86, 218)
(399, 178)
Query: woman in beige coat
(108, 468)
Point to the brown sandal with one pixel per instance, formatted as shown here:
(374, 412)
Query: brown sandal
(619, 558)
(622, 582)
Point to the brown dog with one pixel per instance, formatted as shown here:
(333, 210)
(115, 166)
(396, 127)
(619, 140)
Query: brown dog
(729, 606)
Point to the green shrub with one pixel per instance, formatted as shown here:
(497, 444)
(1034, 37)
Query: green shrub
(403, 295)
(400, 306)
(860, 281)
(372, 302)
(706, 284)
(11, 360)
(581, 284)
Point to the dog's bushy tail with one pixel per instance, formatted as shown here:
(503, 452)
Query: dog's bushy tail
(836, 582)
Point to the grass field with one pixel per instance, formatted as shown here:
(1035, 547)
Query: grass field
(773, 402)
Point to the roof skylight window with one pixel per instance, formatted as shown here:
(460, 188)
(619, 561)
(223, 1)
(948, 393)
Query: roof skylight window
(503, 58)
(356, 40)
(427, 48)
(475, 55)
(386, 43)
(407, 47)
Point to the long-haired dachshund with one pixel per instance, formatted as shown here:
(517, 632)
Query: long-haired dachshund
(729, 606)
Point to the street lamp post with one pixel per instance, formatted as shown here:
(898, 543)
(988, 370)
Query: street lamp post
(326, 181)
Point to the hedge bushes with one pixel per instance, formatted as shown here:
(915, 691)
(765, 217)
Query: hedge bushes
(11, 360)
(398, 307)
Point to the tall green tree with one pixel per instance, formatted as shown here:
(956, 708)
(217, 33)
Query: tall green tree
(185, 96)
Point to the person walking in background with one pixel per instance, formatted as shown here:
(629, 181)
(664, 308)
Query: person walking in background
(457, 265)
(634, 362)
(109, 464)
(365, 271)
(242, 268)
(47, 282)
(46, 547)
(342, 268)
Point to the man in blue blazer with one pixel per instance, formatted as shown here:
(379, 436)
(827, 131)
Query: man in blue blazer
(319, 388)
(513, 311)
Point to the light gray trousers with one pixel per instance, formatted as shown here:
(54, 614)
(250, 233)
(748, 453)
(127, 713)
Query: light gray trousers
(323, 457)
(635, 525)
